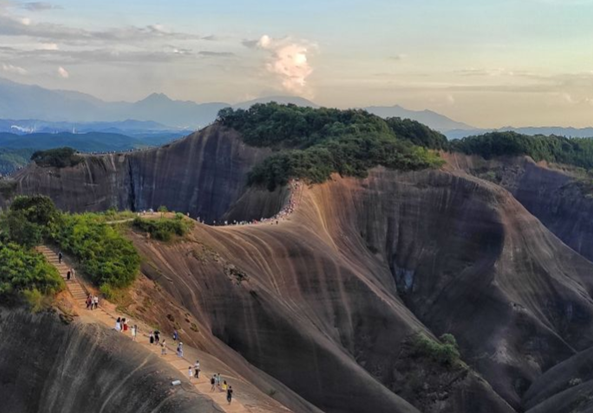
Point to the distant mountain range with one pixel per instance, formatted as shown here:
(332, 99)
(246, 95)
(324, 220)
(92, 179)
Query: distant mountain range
(157, 115)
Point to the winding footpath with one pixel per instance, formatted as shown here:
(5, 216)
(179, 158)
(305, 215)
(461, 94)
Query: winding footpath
(105, 317)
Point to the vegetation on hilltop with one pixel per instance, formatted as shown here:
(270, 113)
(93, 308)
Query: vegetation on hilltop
(58, 158)
(558, 149)
(314, 143)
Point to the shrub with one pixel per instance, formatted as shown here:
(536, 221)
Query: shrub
(106, 256)
(163, 229)
(446, 352)
(20, 230)
(58, 158)
(22, 269)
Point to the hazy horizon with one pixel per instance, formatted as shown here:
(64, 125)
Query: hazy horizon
(493, 64)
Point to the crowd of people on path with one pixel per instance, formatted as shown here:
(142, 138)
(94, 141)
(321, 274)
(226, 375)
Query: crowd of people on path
(294, 186)
(154, 338)
(218, 384)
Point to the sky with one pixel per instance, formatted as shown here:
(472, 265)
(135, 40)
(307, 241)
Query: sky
(489, 63)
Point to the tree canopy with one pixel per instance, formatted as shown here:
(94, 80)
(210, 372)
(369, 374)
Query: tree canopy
(314, 143)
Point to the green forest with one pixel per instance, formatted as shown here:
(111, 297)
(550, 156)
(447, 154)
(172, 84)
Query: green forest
(558, 149)
(314, 143)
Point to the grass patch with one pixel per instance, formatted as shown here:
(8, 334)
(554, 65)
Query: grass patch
(163, 229)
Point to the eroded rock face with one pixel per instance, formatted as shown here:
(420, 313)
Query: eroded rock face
(46, 366)
(202, 174)
(561, 201)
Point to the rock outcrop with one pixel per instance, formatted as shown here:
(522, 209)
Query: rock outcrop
(202, 174)
(46, 366)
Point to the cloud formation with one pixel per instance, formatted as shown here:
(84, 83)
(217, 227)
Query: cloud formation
(288, 60)
(38, 6)
(63, 73)
(14, 69)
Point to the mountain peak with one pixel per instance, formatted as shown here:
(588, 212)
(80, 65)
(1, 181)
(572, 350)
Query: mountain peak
(157, 97)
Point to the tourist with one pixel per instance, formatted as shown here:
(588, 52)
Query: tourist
(224, 386)
(151, 338)
(180, 349)
(197, 368)
(229, 394)
(213, 383)
(89, 302)
(175, 335)
(218, 381)
(157, 336)
(190, 373)
(60, 256)
(118, 325)
(68, 275)
(96, 302)
(125, 325)
(72, 271)
(134, 332)
(163, 348)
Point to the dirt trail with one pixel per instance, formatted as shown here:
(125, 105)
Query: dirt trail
(106, 315)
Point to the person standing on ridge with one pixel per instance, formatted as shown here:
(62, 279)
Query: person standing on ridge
(229, 394)
(213, 383)
(197, 368)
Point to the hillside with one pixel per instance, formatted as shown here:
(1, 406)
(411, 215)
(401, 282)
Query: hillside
(329, 297)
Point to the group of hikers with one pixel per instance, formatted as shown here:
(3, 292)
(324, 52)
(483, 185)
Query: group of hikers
(121, 326)
(216, 383)
(92, 302)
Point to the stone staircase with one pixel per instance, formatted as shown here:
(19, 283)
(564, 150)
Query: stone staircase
(104, 316)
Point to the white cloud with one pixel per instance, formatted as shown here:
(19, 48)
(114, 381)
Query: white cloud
(63, 73)
(48, 46)
(14, 69)
(288, 60)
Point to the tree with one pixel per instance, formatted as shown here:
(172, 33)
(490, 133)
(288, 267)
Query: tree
(163, 210)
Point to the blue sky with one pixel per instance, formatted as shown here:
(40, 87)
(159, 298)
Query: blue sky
(488, 63)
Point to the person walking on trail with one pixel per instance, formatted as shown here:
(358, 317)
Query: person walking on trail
(218, 382)
(197, 368)
(163, 348)
(190, 373)
(157, 336)
(134, 332)
(180, 349)
(124, 325)
(96, 302)
(175, 335)
(60, 256)
(118, 325)
(151, 338)
(213, 383)
(72, 272)
(224, 386)
(229, 394)
(89, 301)
(68, 274)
